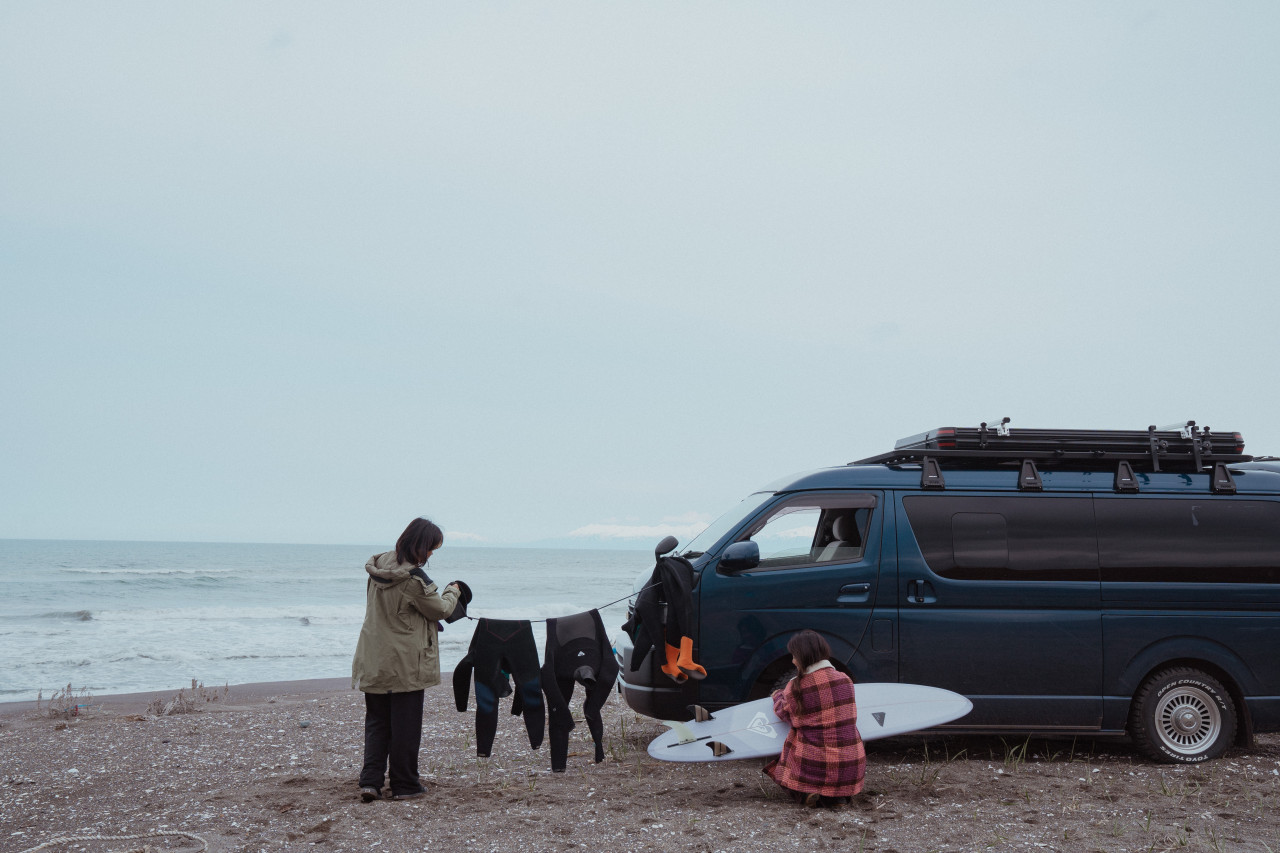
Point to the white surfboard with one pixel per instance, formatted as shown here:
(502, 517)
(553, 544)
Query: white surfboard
(752, 730)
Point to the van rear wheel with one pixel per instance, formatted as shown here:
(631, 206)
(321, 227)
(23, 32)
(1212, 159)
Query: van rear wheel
(1182, 716)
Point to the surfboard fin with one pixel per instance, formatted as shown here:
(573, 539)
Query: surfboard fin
(718, 749)
(686, 734)
(700, 714)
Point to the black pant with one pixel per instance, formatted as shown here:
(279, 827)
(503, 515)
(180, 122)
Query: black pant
(392, 731)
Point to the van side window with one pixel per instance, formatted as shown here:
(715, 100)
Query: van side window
(1023, 537)
(1195, 541)
(980, 540)
(813, 530)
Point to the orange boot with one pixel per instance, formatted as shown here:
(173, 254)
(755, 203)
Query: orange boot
(671, 667)
(685, 660)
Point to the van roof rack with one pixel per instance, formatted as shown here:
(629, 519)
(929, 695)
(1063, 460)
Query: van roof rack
(1183, 447)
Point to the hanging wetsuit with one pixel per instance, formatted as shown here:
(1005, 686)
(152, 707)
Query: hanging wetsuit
(497, 645)
(578, 650)
(664, 615)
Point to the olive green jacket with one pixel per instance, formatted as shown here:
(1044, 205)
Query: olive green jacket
(397, 651)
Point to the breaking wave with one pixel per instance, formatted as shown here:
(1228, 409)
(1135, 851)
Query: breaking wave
(73, 615)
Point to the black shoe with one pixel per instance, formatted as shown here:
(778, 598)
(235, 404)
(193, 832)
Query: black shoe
(368, 794)
(412, 795)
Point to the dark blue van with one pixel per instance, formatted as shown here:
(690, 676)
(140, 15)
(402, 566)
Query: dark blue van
(1101, 583)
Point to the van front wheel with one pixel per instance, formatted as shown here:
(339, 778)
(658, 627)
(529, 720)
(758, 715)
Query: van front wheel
(1182, 716)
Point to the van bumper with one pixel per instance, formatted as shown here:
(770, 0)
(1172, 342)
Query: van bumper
(648, 691)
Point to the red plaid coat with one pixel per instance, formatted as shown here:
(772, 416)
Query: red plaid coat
(823, 753)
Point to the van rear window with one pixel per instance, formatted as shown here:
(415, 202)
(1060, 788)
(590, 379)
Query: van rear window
(1189, 540)
(1023, 537)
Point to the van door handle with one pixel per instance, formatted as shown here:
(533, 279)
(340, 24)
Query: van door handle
(854, 593)
(920, 592)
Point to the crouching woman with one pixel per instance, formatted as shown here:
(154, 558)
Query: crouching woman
(823, 761)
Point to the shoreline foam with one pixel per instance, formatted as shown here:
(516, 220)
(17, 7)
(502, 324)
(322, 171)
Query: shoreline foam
(250, 690)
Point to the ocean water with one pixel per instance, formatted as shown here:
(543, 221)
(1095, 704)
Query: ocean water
(117, 617)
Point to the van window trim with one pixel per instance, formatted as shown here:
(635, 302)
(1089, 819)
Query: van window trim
(756, 523)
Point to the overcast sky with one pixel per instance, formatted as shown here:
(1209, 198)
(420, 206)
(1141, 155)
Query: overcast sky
(567, 271)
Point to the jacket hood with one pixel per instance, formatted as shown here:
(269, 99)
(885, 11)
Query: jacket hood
(386, 568)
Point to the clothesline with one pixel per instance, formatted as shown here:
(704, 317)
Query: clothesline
(601, 607)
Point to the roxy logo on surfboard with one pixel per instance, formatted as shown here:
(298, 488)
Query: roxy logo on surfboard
(759, 725)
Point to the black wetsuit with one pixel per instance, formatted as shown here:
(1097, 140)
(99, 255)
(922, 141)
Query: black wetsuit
(663, 618)
(578, 650)
(497, 645)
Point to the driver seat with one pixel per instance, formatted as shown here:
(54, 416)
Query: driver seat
(845, 543)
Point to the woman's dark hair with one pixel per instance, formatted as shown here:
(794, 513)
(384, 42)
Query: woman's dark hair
(417, 542)
(808, 648)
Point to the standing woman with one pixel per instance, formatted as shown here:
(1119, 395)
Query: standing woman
(397, 658)
(823, 761)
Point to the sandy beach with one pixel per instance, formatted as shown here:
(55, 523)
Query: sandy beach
(273, 767)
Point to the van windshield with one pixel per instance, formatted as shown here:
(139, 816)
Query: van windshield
(722, 525)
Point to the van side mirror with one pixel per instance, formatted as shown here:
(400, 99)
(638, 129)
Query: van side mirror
(667, 544)
(740, 556)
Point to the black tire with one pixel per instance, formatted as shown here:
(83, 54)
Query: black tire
(781, 681)
(1182, 716)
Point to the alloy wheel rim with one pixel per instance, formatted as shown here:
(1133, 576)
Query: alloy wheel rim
(1188, 720)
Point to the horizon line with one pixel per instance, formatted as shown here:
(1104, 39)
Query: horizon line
(587, 546)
